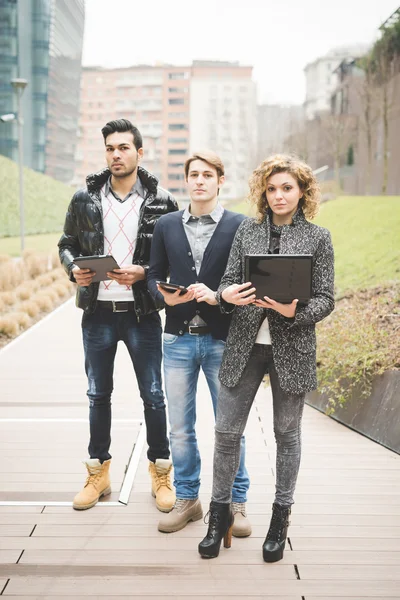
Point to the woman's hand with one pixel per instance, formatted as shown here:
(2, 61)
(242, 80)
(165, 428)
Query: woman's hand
(287, 310)
(239, 294)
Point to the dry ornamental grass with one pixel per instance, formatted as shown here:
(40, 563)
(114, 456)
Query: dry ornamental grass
(29, 288)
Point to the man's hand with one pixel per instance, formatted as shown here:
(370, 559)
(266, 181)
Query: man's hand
(239, 294)
(83, 277)
(287, 310)
(202, 293)
(128, 275)
(172, 299)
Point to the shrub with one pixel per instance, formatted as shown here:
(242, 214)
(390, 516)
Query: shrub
(21, 318)
(30, 307)
(8, 326)
(43, 301)
(8, 298)
(357, 342)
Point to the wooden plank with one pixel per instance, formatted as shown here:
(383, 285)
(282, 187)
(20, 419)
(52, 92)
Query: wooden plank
(15, 530)
(178, 588)
(150, 519)
(207, 569)
(338, 543)
(9, 556)
(343, 572)
(198, 530)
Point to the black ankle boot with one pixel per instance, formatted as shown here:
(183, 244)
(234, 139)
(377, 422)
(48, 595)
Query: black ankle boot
(275, 541)
(219, 526)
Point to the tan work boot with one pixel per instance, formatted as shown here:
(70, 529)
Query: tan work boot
(241, 523)
(161, 487)
(97, 484)
(183, 512)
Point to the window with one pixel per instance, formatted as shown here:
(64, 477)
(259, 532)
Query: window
(174, 90)
(178, 75)
(177, 126)
(177, 151)
(178, 115)
(176, 101)
(176, 165)
(177, 140)
(176, 176)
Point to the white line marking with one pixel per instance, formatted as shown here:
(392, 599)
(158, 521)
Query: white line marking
(27, 503)
(132, 467)
(23, 420)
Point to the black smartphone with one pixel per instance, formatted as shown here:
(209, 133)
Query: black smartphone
(172, 287)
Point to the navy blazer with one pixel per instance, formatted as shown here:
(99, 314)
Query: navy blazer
(171, 255)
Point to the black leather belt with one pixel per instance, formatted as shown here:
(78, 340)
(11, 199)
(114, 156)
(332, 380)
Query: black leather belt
(117, 307)
(198, 329)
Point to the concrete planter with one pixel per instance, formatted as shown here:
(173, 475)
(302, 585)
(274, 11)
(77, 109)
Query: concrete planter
(377, 417)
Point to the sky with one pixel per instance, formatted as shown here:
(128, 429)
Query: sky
(278, 38)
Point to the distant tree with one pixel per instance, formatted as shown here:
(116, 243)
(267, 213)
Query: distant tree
(338, 132)
(385, 59)
(365, 87)
(350, 155)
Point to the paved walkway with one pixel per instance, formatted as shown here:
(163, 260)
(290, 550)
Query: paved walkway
(345, 532)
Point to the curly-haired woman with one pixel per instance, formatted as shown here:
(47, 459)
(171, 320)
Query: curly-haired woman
(267, 336)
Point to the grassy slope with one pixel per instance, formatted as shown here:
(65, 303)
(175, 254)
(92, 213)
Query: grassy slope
(366, 237)
(45, 201)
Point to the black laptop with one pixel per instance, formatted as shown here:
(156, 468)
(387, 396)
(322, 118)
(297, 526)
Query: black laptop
(281, 277)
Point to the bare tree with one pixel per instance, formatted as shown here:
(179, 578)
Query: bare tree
(338, 132)
(366, 90)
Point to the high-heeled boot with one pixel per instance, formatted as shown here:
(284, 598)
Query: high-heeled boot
(219, 527)
(275, 541)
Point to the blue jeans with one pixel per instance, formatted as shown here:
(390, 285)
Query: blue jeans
(183, 357)
(102, 331)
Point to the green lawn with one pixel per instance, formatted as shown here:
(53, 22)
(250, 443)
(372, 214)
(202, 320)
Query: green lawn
(45, 201)
(366, 238)
(42, 243)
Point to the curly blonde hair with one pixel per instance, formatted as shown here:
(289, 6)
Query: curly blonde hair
(284, 163)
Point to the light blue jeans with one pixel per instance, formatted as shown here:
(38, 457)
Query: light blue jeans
(183, 357)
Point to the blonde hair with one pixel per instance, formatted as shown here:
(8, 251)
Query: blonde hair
(210, 158)
(284, 163)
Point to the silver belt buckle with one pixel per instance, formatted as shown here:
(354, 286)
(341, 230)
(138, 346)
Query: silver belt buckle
(115, 309)
(190, 330)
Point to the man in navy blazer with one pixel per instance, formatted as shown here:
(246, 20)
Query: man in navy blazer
(192, 247)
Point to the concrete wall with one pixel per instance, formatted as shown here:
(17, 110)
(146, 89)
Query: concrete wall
(377, 417)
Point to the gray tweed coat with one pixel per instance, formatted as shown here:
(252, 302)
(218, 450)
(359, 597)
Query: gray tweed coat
(293, 340)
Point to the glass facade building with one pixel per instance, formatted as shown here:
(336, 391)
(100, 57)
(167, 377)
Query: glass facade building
(41, 41)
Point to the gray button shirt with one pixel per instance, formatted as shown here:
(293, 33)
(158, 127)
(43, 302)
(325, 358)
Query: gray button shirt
(137, 187)
(199, 231)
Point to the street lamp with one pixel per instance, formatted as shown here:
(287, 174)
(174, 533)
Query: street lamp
(19, 85)
(8, 117)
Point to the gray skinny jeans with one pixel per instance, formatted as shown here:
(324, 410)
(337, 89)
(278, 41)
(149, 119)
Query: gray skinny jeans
(233, 409)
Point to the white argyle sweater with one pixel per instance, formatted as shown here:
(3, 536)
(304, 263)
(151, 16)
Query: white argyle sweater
(120, 221)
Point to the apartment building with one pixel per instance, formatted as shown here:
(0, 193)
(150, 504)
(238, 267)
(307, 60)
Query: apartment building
(178, 109)
(322, 79)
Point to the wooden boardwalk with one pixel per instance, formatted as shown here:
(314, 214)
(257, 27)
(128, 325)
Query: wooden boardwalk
(344, 540)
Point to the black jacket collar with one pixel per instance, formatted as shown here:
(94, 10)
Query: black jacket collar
(95, 181)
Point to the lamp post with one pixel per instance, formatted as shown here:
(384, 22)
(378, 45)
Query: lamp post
(19, 85)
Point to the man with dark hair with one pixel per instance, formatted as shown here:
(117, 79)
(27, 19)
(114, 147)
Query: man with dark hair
(116, 215)
(192, 246)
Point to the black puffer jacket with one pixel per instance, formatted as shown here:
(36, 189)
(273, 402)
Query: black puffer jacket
(84, 234)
